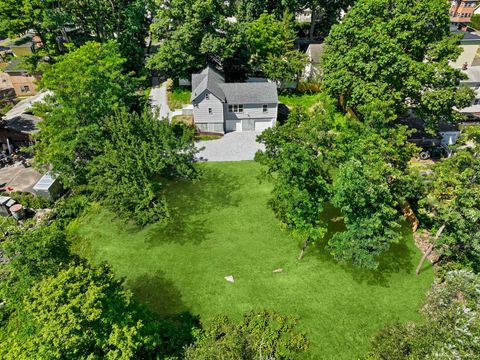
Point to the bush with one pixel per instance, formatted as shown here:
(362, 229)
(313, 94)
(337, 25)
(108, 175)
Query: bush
(31, 201)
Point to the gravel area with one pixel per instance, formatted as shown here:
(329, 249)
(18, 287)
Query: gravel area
(234, 146)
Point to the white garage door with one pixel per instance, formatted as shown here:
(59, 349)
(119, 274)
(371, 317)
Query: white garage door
(262, 124)
(234, 125)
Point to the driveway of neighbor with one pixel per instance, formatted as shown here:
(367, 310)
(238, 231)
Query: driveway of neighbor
(158, 99)
(19, 178)
(234, 146)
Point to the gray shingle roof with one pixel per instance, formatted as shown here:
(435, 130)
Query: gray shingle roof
(250, 93)
(208, 78)
(235, 93)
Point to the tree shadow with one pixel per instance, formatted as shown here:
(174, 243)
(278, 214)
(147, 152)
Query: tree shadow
(164, 300)
(398, 259)
(190, 204)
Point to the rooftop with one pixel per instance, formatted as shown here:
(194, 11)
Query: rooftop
(246, 93)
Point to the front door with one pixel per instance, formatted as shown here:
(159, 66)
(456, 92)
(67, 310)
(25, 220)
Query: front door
(248, 125)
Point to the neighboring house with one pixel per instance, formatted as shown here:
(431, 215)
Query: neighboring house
(223, 107)
(461, 12)
(19, 79)
(314, 52)
(469, 63)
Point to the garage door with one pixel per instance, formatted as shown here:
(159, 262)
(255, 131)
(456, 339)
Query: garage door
(262, 124)
(233, 125)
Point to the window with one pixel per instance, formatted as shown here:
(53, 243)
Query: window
(207, 96)
(265, 108)
(24, 88)
(235, 108)
(210, 111)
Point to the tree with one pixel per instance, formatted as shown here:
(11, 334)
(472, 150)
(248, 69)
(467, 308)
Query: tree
(475, 21)
(288, 67)
(140, 154)
(81, 312)
(451, 203)
(269, 37)
(322, 156)
(324, 12)
(87, 84)
(76, 22)
(264, 335)
(296, 162)
(365, 198)
(194, 33)
(250, 10)
(450, 329)
(389, 56)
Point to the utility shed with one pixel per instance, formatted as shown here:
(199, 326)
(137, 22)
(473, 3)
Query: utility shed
(48, 187)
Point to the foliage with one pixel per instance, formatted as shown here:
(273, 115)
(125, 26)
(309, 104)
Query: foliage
(63, 23)
(31, 201)
(178, 96)
(250, 10)
(322, 156)
(295, 99)
(386, 57)
(288, 67)
(225, 212)
(33, 253)
(194, 32)
(87, 84)
(263, 335)
(451, 329)
(81, 312)
(138, 155)
(452, 199)
(366, 199)
(475, 21)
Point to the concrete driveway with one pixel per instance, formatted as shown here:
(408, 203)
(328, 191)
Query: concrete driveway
(234, 146)
(19, 178)
(158, 99)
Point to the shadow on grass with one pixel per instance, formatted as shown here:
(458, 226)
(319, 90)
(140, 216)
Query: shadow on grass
(398, 259)
(165, 301)
(190, 204)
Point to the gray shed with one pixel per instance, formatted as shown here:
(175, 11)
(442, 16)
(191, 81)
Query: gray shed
(48, 187)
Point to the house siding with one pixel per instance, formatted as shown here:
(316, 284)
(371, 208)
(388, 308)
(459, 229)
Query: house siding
(203, 120)
(252, 111)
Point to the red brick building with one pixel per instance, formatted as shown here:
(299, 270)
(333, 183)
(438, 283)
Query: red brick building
(461, 12)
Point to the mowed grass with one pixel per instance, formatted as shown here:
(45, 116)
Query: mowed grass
(223, 226)
(305, 100)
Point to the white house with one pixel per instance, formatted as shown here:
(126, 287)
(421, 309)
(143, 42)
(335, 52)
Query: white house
(223, 107)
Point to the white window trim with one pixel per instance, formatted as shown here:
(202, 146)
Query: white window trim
(236, 108)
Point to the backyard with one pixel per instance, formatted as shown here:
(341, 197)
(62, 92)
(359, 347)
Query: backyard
(221, 225)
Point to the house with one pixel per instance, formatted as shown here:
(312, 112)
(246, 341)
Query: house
(223, 107)
(314, 52)
(19, 79)
(461, 12)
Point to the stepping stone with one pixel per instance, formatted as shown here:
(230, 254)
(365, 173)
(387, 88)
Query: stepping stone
(278, 270)
(229, 278)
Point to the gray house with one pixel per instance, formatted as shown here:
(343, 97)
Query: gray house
(223, 107)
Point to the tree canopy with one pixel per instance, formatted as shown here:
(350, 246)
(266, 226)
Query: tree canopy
(322, 157)
(87, 84)
(386, 57)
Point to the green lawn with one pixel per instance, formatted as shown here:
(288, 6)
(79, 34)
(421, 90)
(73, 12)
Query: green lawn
(305, 100)
(178, 96)
(222, 226)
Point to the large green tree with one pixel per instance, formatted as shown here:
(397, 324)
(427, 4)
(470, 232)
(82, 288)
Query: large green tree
(322, 156)
(81, 313)
(386, 57)
(139, 155)
(87, 84)
(193, 33)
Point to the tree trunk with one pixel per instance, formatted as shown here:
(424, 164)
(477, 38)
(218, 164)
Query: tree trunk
(313, 20)
(304, 247)
(430, 249)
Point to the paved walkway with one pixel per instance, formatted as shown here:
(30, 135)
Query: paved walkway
(234, 146)
(158, 99)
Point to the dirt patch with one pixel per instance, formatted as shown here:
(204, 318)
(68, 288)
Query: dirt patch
(422, 241)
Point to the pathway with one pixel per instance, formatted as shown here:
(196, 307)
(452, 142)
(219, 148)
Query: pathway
(158, 99)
